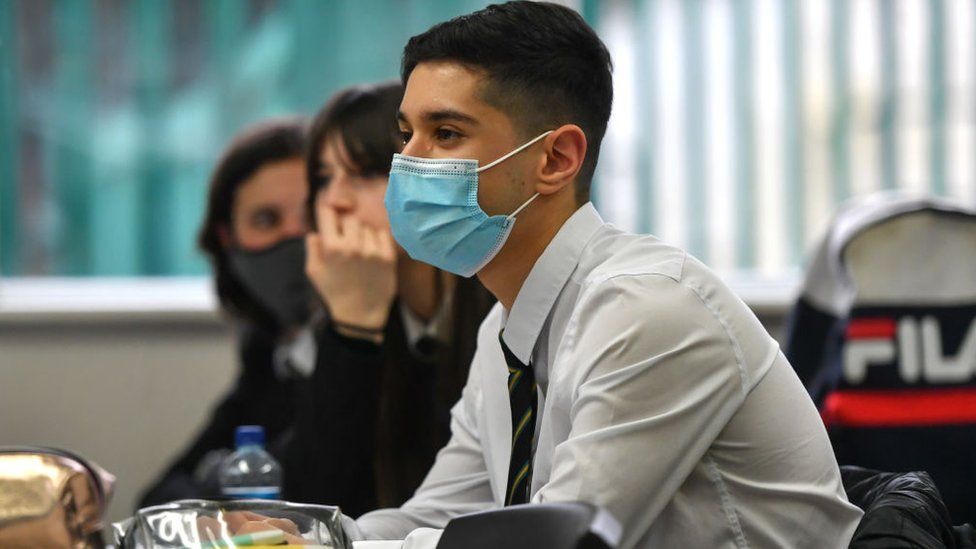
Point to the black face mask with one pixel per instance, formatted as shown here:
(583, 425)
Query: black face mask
(275, 277)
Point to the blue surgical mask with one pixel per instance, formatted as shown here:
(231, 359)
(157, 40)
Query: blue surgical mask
(434, 213)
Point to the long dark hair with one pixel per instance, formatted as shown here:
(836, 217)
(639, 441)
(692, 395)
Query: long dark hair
(254, 147)
(406, 440)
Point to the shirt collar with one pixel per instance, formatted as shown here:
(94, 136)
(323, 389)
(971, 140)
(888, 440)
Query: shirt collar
(535, 299)
(437, 328)
(296, 355)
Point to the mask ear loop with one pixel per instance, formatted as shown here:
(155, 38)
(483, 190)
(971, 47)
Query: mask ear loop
(523, 206)
(513, 153)
(506, 157)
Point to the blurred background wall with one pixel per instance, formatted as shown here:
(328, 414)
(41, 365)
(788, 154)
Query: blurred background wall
(124, 391)
(738, 127)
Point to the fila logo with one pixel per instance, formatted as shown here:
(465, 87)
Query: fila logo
(918, 342)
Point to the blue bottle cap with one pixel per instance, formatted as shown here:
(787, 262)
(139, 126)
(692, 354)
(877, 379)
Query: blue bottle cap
(249, 435)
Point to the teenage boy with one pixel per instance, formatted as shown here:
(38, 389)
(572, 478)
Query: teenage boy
(615, 369)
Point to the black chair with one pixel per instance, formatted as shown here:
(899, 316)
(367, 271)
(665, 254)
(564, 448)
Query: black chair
(534, 526)
(902, 511)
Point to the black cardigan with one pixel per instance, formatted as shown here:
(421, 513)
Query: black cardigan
(338, 444)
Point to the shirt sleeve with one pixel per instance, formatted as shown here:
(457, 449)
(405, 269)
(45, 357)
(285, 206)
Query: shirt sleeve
(655, 375)
(328, 456)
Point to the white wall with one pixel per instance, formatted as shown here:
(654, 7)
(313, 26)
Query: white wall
(127, 394)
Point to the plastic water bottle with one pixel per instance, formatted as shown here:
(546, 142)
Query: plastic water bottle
(250, 472)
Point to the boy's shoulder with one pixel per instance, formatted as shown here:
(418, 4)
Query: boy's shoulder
(613, 253)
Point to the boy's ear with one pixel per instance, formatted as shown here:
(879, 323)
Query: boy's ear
(565, 150)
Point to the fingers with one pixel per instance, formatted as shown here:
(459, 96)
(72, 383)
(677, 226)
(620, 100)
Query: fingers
(247, 522)
(284, 525)
(387, 245)
(314, 257)
(288, 530)
(327, 220)
(292, 539)
(378, 244)
(340, 234)
(210, 529)
(342, 238)
(351, 229)
(235, 519)
(369, 242)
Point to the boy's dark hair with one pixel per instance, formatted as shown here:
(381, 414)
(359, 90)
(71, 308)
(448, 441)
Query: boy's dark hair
(544, 65)
(363, 118)
(256, 146)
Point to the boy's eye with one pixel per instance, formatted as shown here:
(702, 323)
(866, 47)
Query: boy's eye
(444, 134)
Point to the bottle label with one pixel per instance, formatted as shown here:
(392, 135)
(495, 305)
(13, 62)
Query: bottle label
(252, 492)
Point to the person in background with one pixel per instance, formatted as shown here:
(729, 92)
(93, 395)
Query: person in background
(332, 401)
(253, 234)
(398, 335)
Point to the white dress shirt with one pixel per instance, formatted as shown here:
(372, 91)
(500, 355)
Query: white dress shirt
(662, 400)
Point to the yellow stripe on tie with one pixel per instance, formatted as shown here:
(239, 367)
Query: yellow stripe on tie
(522, 423)
(514, 379)
(518, 480)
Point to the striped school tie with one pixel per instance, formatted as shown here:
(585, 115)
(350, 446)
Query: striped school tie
(522, 396)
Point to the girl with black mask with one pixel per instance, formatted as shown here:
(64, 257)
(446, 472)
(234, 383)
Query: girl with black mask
(354, 385)
(253, 234)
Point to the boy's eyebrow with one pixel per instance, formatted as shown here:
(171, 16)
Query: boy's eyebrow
(441, 116)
